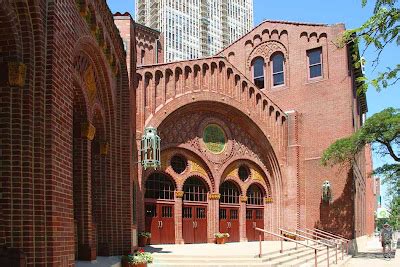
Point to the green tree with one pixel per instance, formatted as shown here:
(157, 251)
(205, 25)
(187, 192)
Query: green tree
(381, 129)
(377, 32)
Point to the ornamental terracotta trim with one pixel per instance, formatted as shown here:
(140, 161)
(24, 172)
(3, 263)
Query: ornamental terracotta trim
(104, 146)
(88, 131)
(179, 194)
(214, 196)
(269, 200)
(13, 74)
(243, 199)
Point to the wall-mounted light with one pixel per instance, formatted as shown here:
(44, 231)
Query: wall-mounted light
(326, 192)
(150, 149)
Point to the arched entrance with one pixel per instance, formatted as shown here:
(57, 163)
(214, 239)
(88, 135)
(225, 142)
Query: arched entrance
(194, 211)
(159, 208)
(229, 210)
(254, 211)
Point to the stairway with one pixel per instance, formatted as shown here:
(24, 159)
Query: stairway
(218, 256)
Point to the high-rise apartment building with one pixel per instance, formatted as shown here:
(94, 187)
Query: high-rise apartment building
(196, 28)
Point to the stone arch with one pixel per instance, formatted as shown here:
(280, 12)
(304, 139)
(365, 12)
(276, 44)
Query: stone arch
(147, 174)
(265, 50)
(196, 165)
(229, 179)
(201, 178)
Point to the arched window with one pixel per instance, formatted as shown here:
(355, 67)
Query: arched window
(258, 72)
(195, 190)
(278, 74)
(229, 193)
(255, 195)
(159, 186)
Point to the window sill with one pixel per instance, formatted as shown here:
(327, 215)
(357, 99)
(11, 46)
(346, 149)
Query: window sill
(279, 87)
(316, 80)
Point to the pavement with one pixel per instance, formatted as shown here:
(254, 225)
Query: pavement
(372, 255)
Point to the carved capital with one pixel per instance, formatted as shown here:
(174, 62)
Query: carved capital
(88, 131)
(104, 146)
(179, 194)
(214, 196)
(269, 200)
(12, 74)
(243, 199)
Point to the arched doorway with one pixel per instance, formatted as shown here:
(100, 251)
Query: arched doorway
(229, 210)
(254, 211)
(159, 209)
(194, 211)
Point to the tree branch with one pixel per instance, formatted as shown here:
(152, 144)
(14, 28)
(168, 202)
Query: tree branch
(390, 149)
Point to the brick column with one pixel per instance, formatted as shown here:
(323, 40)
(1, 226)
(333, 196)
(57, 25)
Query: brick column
(178, 217)
(213, 215)
(242, 219)
(82, 192)
(268, 217)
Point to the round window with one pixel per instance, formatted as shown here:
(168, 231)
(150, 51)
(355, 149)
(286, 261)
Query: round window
(178, 164)
(214, 138)
(243, 172)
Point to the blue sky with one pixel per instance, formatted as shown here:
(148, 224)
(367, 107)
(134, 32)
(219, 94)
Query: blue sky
(349, 12)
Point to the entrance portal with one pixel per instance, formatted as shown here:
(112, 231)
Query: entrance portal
(254, 213)
(159, 198)
(194, 212)
(229, 211)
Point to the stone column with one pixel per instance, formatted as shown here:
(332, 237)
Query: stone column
(83, 192)
(178, 217)
(213, 216)
(242, 219)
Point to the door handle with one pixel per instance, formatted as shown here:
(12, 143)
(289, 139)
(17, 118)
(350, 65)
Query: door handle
(254, 224)
(194, 223)
(161, 225)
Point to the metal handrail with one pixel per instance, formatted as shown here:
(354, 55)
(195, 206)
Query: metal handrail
(287, 239)
(316, 241)
(314, 235)
(333, 235)
(341, 240)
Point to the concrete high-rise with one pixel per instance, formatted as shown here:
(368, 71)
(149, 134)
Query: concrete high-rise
(196, 28)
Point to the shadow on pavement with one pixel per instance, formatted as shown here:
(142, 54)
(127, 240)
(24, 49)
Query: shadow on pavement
(155, 250)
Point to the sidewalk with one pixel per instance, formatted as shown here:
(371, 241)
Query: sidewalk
(372, 256)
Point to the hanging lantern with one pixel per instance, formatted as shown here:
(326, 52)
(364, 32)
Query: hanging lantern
(150, 149)
(327, 192)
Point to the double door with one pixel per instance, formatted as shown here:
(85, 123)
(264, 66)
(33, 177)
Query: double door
(194, 224)
(160, 223)
(254, 218)
(229, 223)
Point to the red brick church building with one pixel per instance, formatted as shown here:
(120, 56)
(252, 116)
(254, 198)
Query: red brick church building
(242, 134)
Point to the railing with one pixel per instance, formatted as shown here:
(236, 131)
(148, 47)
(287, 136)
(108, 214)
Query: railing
(315, 241)
(338, 238)
(287, 239)
(322, 241)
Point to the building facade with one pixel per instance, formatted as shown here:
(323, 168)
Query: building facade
(196, 28)
(243, 133)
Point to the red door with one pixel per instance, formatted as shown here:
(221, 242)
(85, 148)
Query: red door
(229, 223)
(194, 224)
(160, 223)
(254, 218)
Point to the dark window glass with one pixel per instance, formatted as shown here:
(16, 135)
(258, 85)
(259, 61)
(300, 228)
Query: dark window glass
(255, 195)
(259, 214)
(315, 62)
(178, 164)
(229, 193)
(258, 72)
(277, 69)
(233, 215)
(222, 213)
(249, 214)
(243, 172)
(151, 211)
(159, 186)
(195, 190)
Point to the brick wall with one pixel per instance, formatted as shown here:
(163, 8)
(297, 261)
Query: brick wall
(42, 162)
